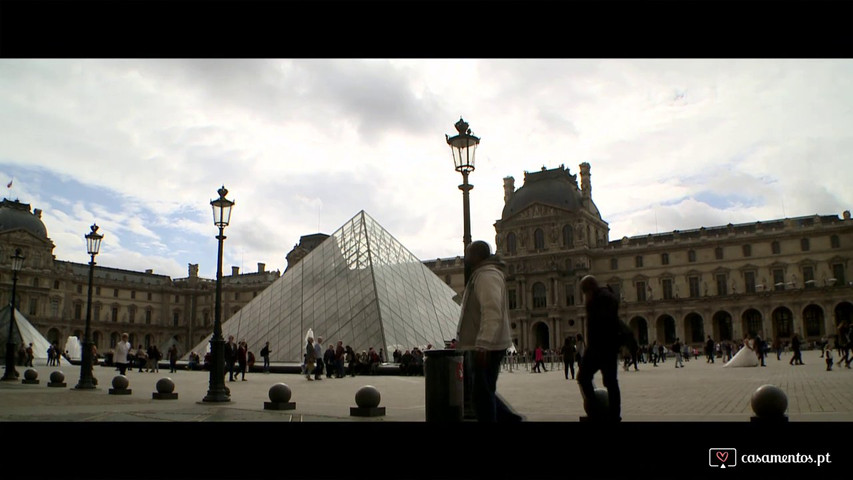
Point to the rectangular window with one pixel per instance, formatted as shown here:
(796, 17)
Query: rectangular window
(838, 274)
(691, 256)
(693, 282)
(96, 313)
(721, 284)
(638, 261)
(614, 263)
(177, 298)
(641, 291)
(664, 259)
(131, 314)
(513, 302)
(133, 294)
(749, 282)
(667, 288)
(147, 317)
(236, 295)
(808, 277)
(718, 253)
(149, 295)
(834, 242)
(56, 284)
(778, 279)
(747, 250)
(114, 314)
(33, 306)
(176, 318)
(78, 311)
(115, 292)
(805, 245)
(97, 290)
(775, 248)
(79, 288)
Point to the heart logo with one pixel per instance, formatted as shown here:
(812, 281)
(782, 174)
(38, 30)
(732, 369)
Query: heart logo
(723, 456)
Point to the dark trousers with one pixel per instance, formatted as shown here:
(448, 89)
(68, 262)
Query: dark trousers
(488, 406)
(318, 369)
(710, 357)
(122, 368)
(569, 367)
(607, 364)
(230, 364)
(267, 364)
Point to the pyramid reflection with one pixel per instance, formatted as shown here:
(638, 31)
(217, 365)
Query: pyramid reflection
(360, 286)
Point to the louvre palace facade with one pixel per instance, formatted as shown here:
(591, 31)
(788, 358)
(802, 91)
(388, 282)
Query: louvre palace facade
(774, 278)
(152, 308)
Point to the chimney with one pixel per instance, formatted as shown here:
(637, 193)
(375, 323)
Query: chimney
(192, 270)
(235, 271)
(149, 271)
(509, 188)
(586, 184)
(262, 267)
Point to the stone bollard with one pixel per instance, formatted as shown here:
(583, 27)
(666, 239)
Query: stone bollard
(769, 403)
(280, 395)
(165, 390)
(120, 383)
(367, 398)
(30, 377)
(596, 408)
(57, 379)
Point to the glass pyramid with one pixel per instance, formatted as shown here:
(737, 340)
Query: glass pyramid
(360, 286)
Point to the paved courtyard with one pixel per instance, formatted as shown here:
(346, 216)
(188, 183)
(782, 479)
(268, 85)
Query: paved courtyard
(699, 392)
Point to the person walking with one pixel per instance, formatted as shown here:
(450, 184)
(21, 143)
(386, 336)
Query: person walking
(242, 359)
(230, 357)
(310, 355)
(653, 352)
(141, 358)
(30, 356)
(676, 348)
(340, 354)
(265, 354)
(760, 349)
(580, 349)
(318, 357)
(602, 308)
(828, 356)
(483, 330)
(568, 353)
(123, 348)
(797, 358)
(539, 359)
(709, 350)
(329, 360)
(173, 358)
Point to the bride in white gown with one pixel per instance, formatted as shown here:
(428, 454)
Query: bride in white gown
(746, 356)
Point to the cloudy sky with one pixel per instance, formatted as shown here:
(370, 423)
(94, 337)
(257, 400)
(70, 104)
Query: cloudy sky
(141, 146)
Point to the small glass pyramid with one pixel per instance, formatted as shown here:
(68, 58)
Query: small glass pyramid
(360, 286)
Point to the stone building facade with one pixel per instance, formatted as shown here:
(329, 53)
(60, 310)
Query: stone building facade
(152, 308)
(774, 278)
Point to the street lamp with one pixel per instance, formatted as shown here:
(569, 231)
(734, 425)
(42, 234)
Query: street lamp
(93, 245)
(217, 391)
(17, 264)
(464, 146)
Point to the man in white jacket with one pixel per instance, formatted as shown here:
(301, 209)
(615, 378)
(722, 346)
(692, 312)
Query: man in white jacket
(484, 329)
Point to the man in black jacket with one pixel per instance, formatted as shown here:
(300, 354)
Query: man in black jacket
(602, 308)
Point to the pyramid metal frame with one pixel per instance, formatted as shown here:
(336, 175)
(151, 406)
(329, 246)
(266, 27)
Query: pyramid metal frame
(360, 286)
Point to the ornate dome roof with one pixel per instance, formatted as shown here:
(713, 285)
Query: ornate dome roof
(557, 188)
(15, 215)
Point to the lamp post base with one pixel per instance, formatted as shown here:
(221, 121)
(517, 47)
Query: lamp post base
(216, 397)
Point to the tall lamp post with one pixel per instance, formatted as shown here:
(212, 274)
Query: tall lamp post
(17, 264)
(93, 245)
(464, 146)
(216, 391)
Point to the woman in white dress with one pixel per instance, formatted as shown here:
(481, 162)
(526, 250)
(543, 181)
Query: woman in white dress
(746, 356)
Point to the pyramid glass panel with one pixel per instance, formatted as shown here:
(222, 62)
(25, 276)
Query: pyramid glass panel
(360, 286)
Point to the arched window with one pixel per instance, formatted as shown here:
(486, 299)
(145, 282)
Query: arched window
(539, 295)
(539, 239)
(510, 243)
(568, 241)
